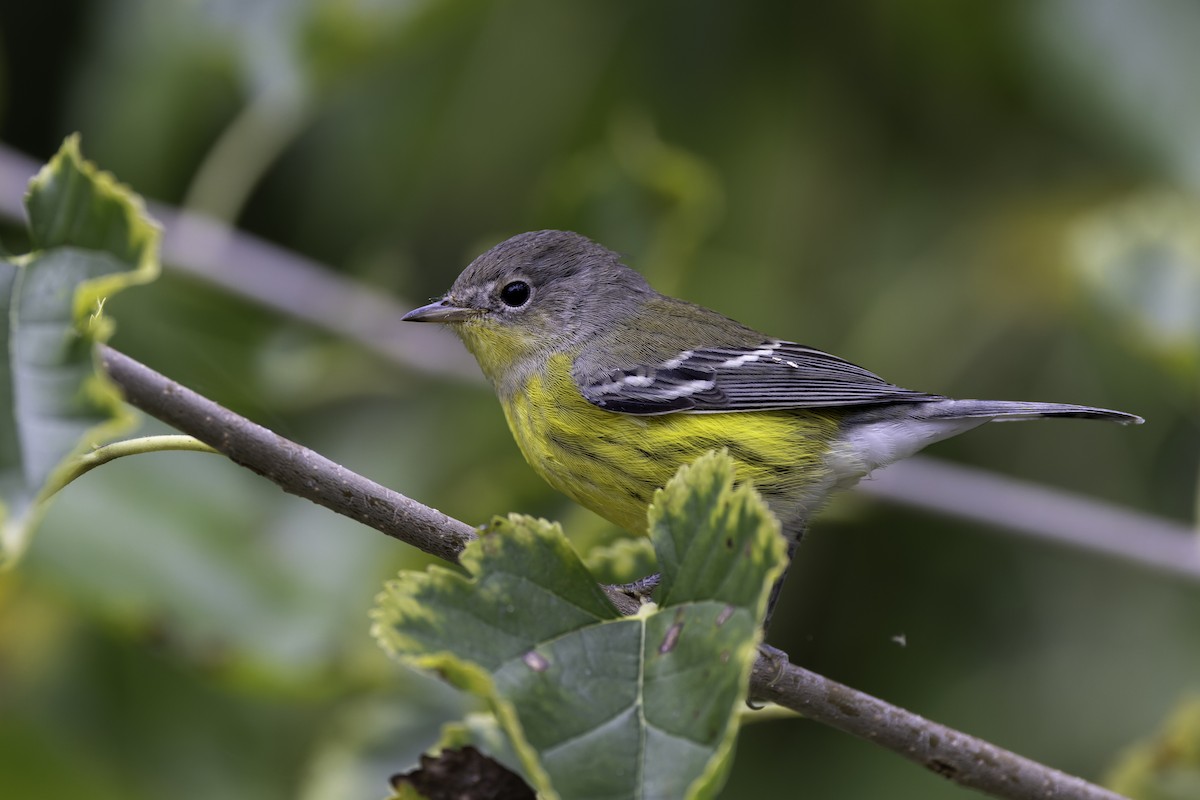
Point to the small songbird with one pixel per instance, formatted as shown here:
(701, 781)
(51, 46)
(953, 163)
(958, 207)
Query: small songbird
(609, 387)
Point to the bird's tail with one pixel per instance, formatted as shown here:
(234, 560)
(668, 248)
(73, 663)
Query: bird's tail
(1005, 410)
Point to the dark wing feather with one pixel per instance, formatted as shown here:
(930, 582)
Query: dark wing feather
(774, 375)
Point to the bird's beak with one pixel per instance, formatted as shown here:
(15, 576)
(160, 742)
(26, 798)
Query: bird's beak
(441, 311)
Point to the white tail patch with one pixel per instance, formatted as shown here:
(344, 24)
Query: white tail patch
(867, 446)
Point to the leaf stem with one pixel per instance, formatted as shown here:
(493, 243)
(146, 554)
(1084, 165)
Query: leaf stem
(128, 447)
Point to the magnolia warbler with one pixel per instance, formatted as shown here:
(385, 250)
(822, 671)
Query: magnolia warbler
(609, 387)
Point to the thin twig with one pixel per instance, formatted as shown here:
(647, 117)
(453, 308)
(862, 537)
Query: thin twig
(963, 759)
(126, 447)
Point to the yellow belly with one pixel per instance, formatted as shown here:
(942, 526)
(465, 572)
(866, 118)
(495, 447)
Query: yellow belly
(612, 463)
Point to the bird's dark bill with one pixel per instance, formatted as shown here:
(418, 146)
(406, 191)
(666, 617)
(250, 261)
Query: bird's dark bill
(440, 311)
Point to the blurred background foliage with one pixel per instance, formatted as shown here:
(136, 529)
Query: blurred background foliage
(989, 200)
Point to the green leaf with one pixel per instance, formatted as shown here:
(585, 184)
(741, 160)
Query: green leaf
(1167, 767)
(91, 238)
(595, 704)
(622, 561)
(703, 531)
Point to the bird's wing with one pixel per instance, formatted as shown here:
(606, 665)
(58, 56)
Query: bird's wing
(773, 375)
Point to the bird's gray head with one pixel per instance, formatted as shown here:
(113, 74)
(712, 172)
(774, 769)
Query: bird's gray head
(546, 284)
(536, 292)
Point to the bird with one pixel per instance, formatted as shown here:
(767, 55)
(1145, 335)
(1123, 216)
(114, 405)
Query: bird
(609, 387)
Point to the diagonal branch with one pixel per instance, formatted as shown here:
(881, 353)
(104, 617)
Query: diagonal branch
(295, 469)
(956, 756)
(964, 759)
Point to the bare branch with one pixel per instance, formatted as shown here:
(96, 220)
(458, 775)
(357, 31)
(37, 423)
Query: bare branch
(956, 756)
(961, 758)
(295, 469)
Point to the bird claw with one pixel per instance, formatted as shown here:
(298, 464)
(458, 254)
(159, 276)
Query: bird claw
(779, 660)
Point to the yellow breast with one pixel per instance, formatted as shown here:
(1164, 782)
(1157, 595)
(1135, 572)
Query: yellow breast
(611, 463)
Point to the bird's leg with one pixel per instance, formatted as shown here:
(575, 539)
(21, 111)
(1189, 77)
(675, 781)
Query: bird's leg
(777, 589)
(776, 656)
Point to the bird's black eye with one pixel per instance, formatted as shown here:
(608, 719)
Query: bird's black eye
(515, 294)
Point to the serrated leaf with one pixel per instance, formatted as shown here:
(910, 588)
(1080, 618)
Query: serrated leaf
(622, 561)
(92, 238)
(595, 704)
(703, 530)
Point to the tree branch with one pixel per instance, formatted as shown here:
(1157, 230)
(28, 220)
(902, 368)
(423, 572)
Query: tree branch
(964, 759)
(295, 469)
(956, 756)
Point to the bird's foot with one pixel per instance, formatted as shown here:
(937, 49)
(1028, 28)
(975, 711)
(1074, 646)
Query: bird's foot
(779, 660)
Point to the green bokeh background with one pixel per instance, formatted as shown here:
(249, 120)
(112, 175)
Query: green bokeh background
(988, 200)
